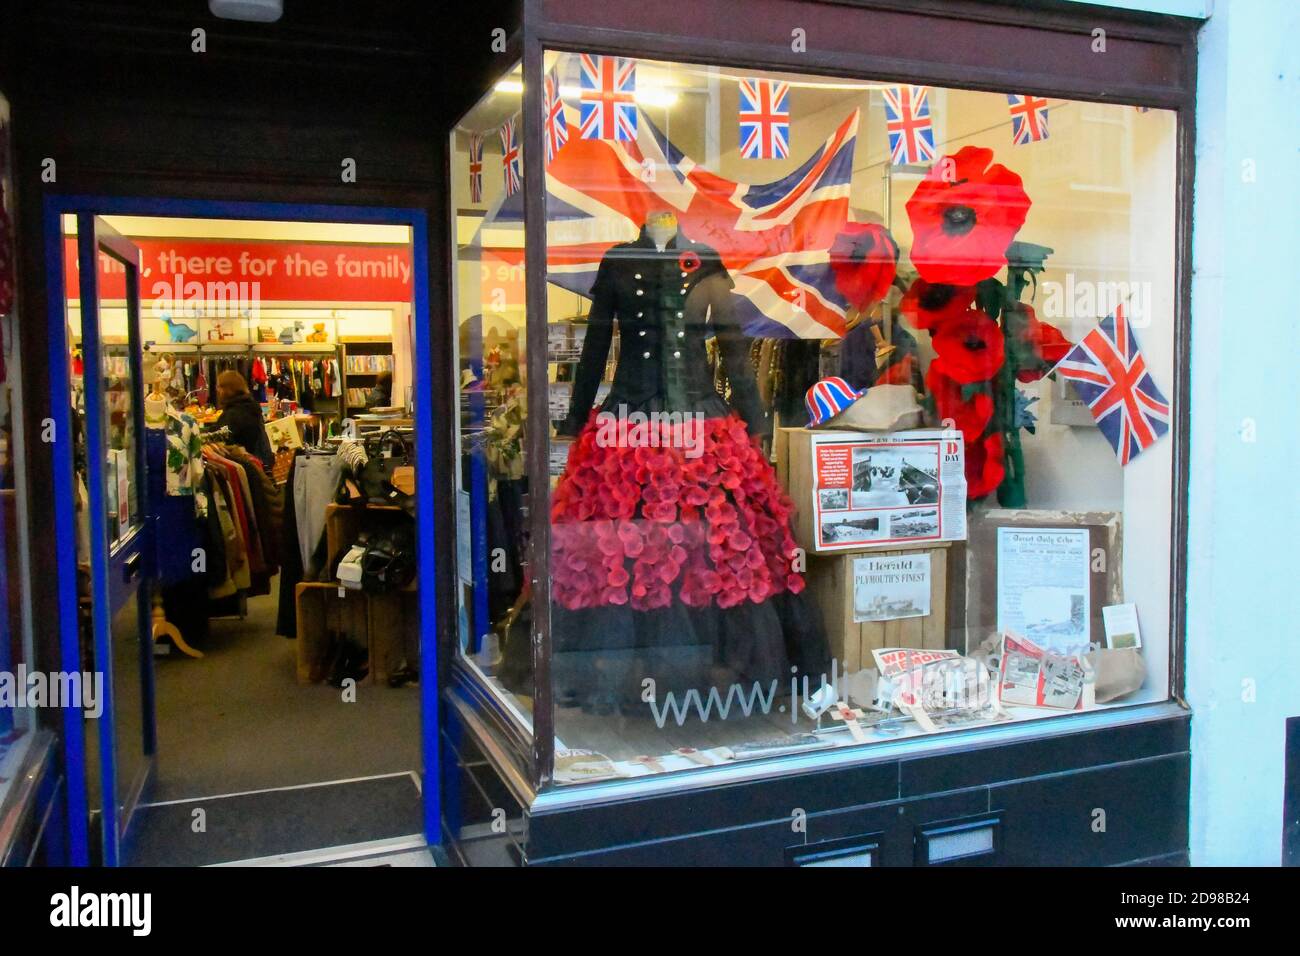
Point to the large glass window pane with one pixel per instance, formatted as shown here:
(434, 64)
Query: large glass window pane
(14, 723)
(494, 601)
(851, 436)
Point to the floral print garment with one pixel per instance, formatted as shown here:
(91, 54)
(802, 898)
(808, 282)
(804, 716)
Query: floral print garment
(185, 461)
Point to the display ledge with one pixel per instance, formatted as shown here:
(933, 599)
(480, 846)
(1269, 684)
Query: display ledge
(1032, 727)
(21, 773)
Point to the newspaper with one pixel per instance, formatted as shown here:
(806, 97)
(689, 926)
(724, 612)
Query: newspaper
(1043, 587)
(936, 688)
(890, 489)
(1034, 677)
(887, 587)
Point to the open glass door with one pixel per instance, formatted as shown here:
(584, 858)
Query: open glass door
(112, 420)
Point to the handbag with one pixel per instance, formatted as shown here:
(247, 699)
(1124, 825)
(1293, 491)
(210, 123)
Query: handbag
(388, 563)
(387, 477)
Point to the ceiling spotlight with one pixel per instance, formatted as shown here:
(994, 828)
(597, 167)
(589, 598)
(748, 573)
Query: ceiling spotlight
(256, 11)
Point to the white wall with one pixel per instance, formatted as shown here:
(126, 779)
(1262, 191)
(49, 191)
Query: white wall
(1243, 635)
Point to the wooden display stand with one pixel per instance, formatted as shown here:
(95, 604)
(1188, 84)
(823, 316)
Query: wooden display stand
(830, 586)
(387, 622)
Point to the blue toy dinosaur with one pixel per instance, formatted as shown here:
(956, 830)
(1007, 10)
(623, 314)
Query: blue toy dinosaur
(178, 331)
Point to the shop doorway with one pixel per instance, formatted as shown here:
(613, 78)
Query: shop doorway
(245, 389)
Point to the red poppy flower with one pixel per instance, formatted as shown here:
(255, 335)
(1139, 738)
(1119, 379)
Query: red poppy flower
(964, 214)
(864, 258)
(1042, 345)
(969, 348)
(927, 305)
(970, 417)
(688, 261)
(985, 467)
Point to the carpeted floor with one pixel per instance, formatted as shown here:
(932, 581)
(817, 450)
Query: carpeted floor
(238, 720)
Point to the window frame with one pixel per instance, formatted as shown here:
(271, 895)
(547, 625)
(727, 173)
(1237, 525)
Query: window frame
(1162, 48)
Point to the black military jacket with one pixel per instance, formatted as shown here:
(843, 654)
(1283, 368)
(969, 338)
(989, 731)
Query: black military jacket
(667, 304)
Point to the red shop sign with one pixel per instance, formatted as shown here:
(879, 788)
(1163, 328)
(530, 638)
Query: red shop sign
(197, 270)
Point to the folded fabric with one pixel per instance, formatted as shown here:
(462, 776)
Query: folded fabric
(882, 408)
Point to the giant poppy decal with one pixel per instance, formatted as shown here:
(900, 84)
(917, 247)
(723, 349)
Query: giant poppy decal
(970, 347)
(964, 215)
(864, 259)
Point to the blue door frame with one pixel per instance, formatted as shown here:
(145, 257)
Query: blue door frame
(117, 570)
(61, 421)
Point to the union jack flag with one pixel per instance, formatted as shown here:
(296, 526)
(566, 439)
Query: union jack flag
(607, 101)
(1111, 376)
(1028, 118)
(774, 238)
(476, 167)
(764, 119)
(557, 127)
(511, 160)
(907, 121)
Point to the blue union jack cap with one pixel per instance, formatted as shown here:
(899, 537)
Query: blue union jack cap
(828, 398)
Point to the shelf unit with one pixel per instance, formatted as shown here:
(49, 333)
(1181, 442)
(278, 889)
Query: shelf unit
(365, 351)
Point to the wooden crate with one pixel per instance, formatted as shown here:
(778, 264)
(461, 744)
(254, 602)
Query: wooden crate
(322, 613)
(393, 624)
(830, 586)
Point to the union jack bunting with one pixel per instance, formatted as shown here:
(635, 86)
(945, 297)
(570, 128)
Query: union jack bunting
(907, 121)
(764, 119)
(557, 127)
(774, 238)
(511, 162)
(1028, 118)
(607, 98)
(476, 167)
(1111, 377)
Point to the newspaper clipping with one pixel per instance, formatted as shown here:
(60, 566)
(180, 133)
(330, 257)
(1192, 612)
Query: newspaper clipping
(1034, 677)
(1043, 588)
(889, 587)
(899, 488)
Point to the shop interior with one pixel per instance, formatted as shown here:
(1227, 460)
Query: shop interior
(276, 380)
(1037, 527)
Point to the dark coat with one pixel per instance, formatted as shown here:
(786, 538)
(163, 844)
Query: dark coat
(667, 305)
(243, 417)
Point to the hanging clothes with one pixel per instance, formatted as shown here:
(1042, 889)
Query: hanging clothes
(258, 379)
(184, 460)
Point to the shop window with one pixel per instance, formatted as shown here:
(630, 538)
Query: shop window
(859, 407)
(495, 604)
(14, 639)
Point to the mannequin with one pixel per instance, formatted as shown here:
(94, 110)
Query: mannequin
(661, 226)
(155, 403)
(672, 556)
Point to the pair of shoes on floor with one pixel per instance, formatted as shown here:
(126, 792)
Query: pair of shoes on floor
(350, 662)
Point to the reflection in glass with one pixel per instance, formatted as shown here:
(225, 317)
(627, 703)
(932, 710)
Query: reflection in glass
(494, 600)
(120, 392)
(807, 409)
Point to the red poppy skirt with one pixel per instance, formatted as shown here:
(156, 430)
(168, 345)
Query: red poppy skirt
(674, 516)
(675, 559)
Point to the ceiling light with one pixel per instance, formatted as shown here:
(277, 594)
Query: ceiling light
(257, 11)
